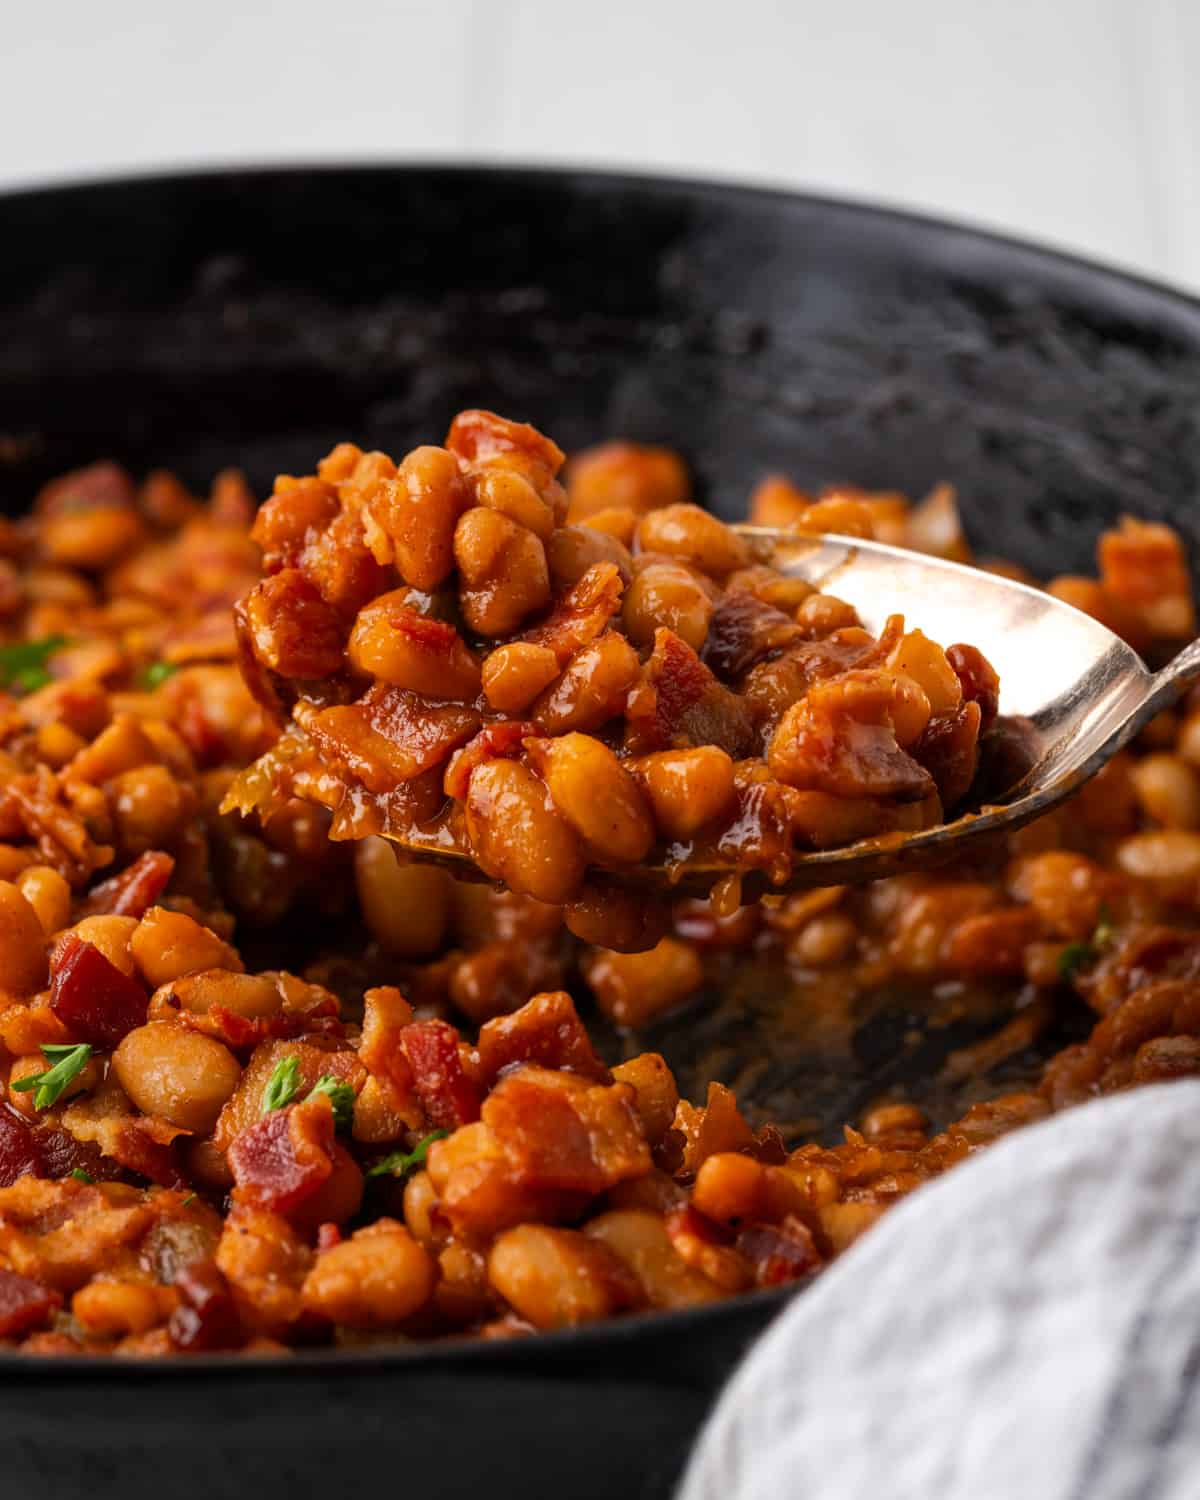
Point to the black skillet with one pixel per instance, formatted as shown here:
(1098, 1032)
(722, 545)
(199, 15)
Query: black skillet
(256, 317)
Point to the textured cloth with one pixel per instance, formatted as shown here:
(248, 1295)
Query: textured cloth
(1025, 1328)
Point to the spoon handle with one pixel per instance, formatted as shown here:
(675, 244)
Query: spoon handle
(1178, 674)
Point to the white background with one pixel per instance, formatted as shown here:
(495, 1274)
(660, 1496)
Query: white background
(1074, 122)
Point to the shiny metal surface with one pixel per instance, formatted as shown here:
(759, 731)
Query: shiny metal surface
(1080, 691)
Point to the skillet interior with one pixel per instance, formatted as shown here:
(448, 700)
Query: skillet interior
(257, 317)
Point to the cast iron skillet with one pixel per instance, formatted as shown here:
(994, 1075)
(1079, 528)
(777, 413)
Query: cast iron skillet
(257, 316)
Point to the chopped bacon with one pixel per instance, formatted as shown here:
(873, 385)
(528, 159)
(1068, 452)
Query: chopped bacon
(206, 1317)
(24, 1304)
(338, 561)
(678, 702)
(493, 742)
(291, 628)
(478, 435)
(19, 1153)
(285, 522)
(743, 629)
(91, 995)
(391, 735)
(284, 1158)
(581, 616)
(546, 1030)
(779, 1253)
(448, 1097)
(949, 751)
(134, 891)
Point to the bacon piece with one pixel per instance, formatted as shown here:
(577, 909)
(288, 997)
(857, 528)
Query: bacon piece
(743, 629)
(24, 1304)
(479, 435)
(949, 751)
(91, 995)
(285, 1157)
(206, 1317)
(678, 702)
(493, 742)
(582, 614)
(980, 683)
(448, 1097)
(134, 891)
(547, 1031)
(19, 1153)
(341, 566)
(391, 735)
(779, 1253)
(290, 628)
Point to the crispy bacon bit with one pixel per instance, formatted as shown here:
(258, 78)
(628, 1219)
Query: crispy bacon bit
(24, 1304)
(582, 615)
(494, 741)
(547, 1031)
(286, 521)
(291, 628)
(779, 1253)
(91, 995)
(679, 702)
(949, 751)
(285, 1157)
(134, 891)
(980, 684)
(206, 1318)
(743, 629)
(19, 1154)
(391, 735)
(448, 1097)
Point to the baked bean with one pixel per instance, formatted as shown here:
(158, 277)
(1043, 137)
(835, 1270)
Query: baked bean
(166, 945)
(513, 496)
(149, 807)
(251, 996)
(112, 935)
(591, 690)
(730, 1187)
(641, 1240)
(596, 795)
(49, 895)
(825, 940)
(410, 520)
(686, 788)
(917, 657)
(624, 476)
(420, 1203)
(376, 1279)
(776, 502)
(657, 1096)
(399, 644)
(572, 550)
(558, 1278)
(91, 539)
(110, 1309)
(1168, 790)
(514, 675)
(694, 536)
(667, 595)
(503, 571)
(634, 988)
(405, 906)
(1169, 858)
(176, 1074)
(517, 836)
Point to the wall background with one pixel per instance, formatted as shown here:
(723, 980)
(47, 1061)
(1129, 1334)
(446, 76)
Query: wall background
(1075, 122)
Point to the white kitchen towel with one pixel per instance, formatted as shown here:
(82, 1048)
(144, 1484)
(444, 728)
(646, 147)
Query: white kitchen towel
(1026, 1328)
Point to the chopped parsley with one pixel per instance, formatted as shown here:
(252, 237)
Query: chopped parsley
(400, 1163)
(23, 663)
(81, 1176)
(283, 1085)
(68, 1062)
(190, 1199)
(1076, 956)
(342, 1097)
(156, 673)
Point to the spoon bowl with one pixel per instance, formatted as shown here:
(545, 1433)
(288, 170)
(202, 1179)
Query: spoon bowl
(1071, 695)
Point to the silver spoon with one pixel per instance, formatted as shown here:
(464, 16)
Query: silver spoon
(1081, 691)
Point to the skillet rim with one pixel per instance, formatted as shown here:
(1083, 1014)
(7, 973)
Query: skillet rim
(1121, 292)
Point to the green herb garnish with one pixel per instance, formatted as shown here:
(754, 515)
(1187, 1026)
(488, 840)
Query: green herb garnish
(23, 663)
(68, 1061)
(283, 1085)
(81, 1176)
(342, 1097)
(400, 1163)
(1076, 956)
(156, 674)
(190, 1199)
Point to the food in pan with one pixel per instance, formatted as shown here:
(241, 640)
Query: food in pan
(562, 684)
(267, 1088)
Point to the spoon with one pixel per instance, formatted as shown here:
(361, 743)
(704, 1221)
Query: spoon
(1079, 692)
